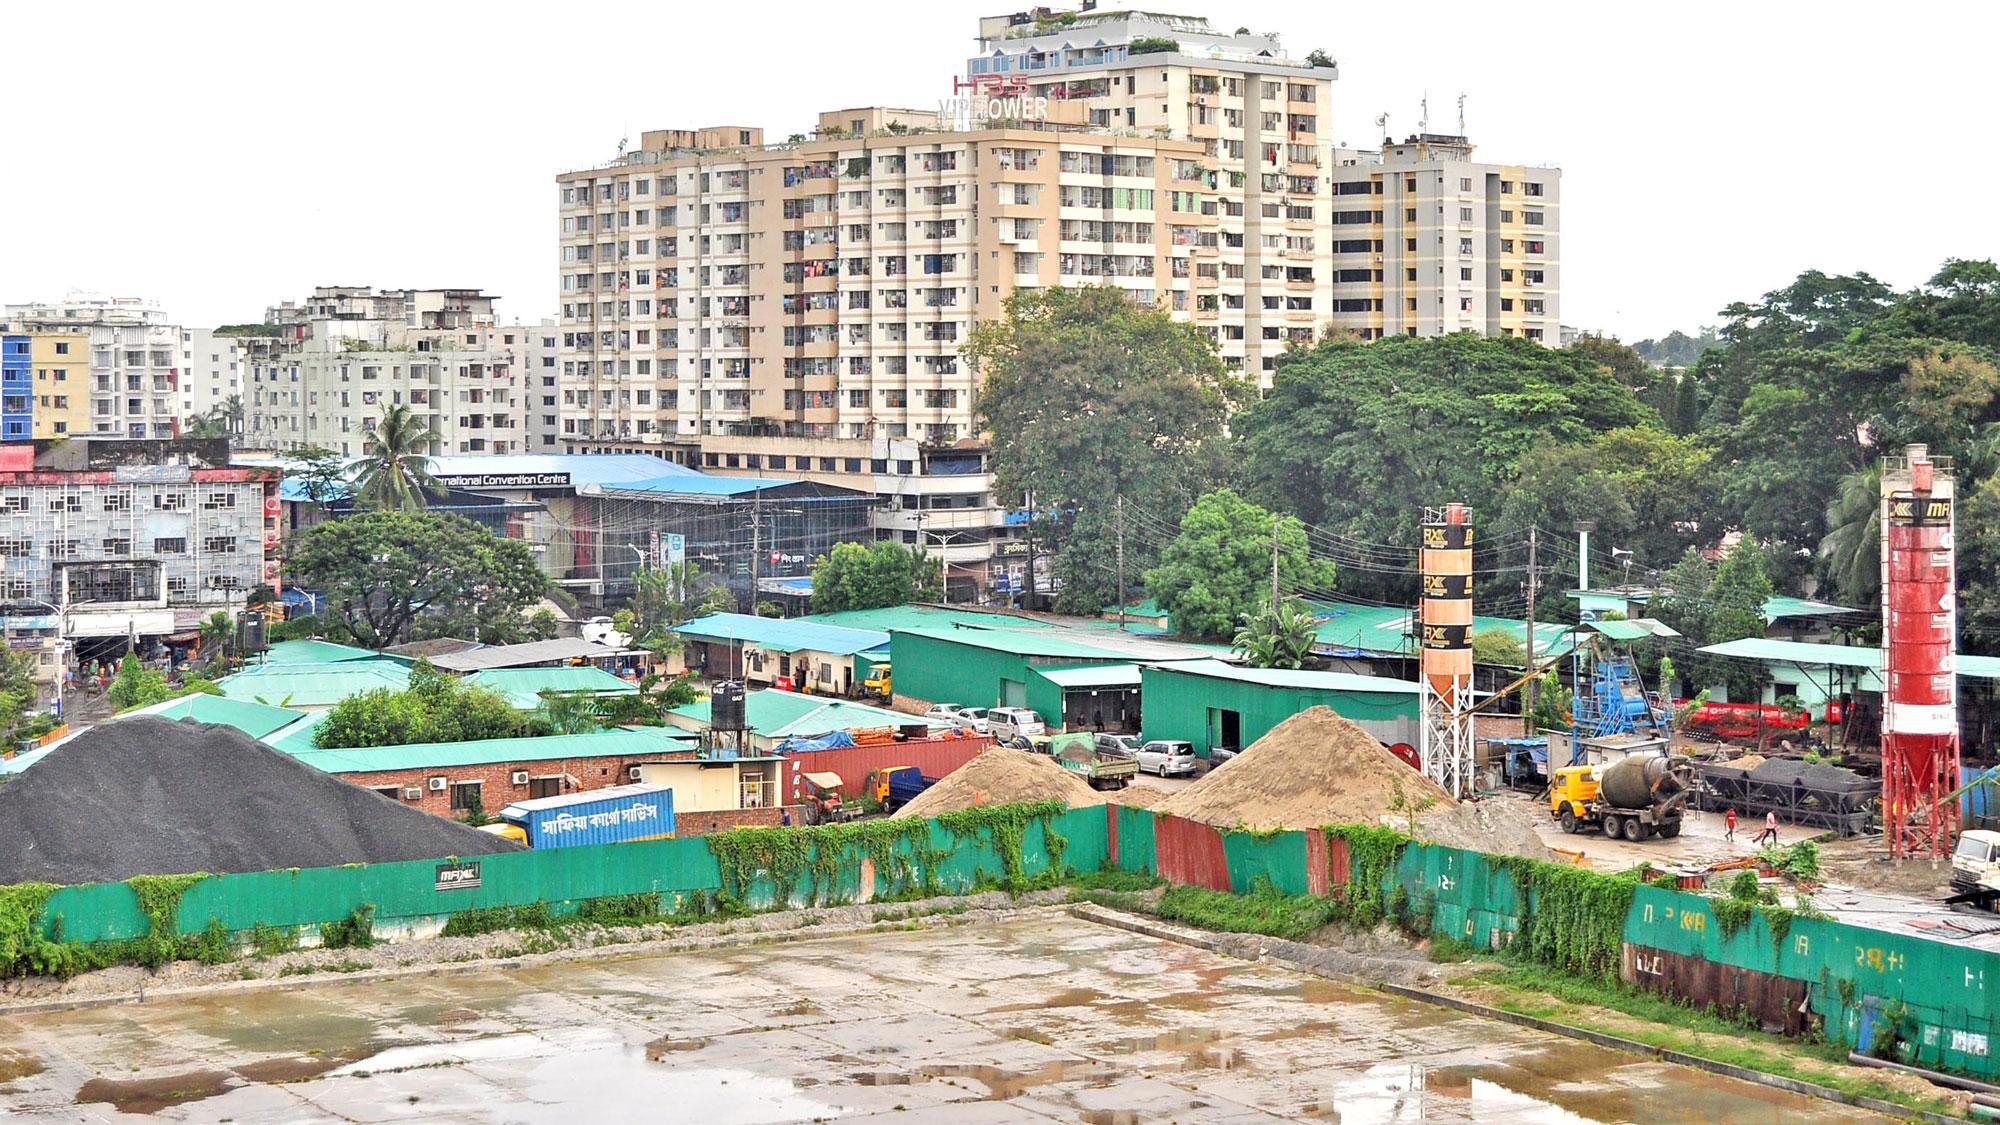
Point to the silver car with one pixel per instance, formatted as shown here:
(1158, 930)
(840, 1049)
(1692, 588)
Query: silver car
(1126, 744)
(1168, 758)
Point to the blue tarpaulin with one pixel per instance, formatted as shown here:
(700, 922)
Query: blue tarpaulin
(834, 740)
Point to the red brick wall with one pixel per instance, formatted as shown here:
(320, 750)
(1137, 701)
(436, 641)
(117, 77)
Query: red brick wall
(497, 789)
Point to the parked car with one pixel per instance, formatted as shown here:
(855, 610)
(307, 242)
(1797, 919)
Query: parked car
(1007, 722)
(1168, 758)
(1220, 754)
(975, 718)
(1119, 743)
(1017, 742)
(944, 712)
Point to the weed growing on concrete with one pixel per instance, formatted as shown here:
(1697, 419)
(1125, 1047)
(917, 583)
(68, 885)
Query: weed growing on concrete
(487, 919)
(1264, 910)
(620, 910)
(1371, 854)
(270, 941)
(356, 931)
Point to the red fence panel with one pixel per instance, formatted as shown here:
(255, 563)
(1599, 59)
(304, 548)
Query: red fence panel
(1316, 880)
(1111, 837)
(1190, 852)
(934, 757)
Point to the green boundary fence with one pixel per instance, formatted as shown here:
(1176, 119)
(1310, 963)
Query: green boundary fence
(1856, 978)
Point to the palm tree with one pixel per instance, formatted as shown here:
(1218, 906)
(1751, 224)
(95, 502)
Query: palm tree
(1278, 637)
(393, 471)
(205, 426)
(216, 630)
(230, 414)
(1852, 547)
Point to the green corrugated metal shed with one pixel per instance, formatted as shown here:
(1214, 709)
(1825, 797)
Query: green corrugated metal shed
(1867, 660)
(1635, 629)
(423, 755)
(777, 714)
(523, 686)
(891, 618)
(1092, 675)
(253, 719)
(296, 737)
(1780, 605)
(318, 652)
(1188, 700)
(781, 635)
(313, 685)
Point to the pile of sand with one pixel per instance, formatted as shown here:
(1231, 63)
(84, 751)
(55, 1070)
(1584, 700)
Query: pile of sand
(1746, 762)
(1317, 768)
(1138, 796)
(1000, 776)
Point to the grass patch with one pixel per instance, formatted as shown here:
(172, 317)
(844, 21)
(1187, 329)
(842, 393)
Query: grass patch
(1115, 880)
(489, 919)
(1670, 1025)
(1263, 911)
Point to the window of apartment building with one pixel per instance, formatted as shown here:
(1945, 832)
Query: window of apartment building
(1534, 306)
(15, 503)
(1410, 183)
(64, 548)
(1532, 246)
(1465, 214)
(219, 545)
(1532, 218)
(117, 501)
(1506, 246)
(1465, 246)
(117, 548)
(16, 548)
(1531, 188)
(215, 501)
(177, 546)
(1410, 214)
(1506, 275)
(1506, 304)
(70, 503)
(170, 501)
(1465, 273)
(1410, 244)
(1532, 277)
(464, 794)
(1410, 304)
(62, 348)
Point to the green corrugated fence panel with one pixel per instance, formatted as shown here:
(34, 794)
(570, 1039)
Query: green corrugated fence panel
(1281, 857)
(1135, 840)
(1088, 840)
(1466, 882)
(96, 912)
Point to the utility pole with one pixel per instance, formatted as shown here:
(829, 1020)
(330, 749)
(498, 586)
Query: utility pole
(1121, 562)
(1274, 563)
(1528, 690)
(1028, 596)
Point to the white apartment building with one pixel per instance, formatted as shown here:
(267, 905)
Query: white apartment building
(541, 384)
(1429, 241)
(349, 353)
(135, 359)
(212, 370)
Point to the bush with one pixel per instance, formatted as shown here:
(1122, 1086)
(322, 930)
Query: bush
(1154, 45)
(356, 931)
(434, 708)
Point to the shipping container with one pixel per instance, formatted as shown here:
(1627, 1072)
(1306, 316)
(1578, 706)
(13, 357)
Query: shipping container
(933, 757)
(617, 815)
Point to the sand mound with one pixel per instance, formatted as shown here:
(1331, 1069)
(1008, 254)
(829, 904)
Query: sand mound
(1138, 796)
(1001, 776)
(152, 796)
(1746, 762)
(1317, 768)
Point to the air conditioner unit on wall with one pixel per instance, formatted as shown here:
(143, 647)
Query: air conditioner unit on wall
(412, 793)
(633, 773)
(520, 777)
(437, 785)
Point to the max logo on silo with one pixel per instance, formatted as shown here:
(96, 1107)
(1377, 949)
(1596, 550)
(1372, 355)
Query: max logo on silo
(1917, 512)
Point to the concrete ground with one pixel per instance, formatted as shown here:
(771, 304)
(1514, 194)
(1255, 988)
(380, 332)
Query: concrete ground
(1030, 1020)
(1700, 843)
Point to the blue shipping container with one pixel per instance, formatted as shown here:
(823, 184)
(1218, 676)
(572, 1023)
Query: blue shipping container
(617, 815)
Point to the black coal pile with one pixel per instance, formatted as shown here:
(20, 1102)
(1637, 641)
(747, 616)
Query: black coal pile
(150, 796)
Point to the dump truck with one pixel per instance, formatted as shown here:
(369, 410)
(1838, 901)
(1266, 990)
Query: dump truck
(823, 799)
(880, 684)
(1637, 796)
(896, 786)
(1103, 769)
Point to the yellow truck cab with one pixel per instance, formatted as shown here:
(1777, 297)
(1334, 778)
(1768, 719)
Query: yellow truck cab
(1572, 791)
(879, 682)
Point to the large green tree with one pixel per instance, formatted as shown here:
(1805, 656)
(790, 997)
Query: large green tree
(1216, 574)
(394, 469)
(1089, 398)
(666, 596)
(884, 573)
(434, 708)
(381, 570)
(1651, 492)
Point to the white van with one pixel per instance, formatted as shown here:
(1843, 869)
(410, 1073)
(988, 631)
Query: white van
(1014, 722)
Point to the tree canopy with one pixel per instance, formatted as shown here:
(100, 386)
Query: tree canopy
(1089, 397)
(1216, 574)
(394, 469)
(382, 571)
(883, 573)
(434, 708)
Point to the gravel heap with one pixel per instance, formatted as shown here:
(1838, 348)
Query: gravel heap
(1000, 776)
(1317, 768)
(151, 796)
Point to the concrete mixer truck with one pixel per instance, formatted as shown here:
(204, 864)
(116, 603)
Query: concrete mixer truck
(1636, 797)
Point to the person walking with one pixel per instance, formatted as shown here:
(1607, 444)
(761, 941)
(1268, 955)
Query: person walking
(1729, 824)
(1770, 831)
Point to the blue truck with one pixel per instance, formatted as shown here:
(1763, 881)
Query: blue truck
(617, 815)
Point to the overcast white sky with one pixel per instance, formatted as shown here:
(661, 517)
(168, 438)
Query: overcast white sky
(221, 157)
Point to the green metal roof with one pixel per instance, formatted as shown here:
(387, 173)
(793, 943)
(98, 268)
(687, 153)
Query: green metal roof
(1092, 675)
(776, 714)
(891, 618)
(783, 635)
(523, 686)
(298, 736)
(1779, 605)
(1635, 629)
(253, 719)
(1387, 629)
(1021, 642)
(1846, 656)
(428, 755)
(1147, 608)
(316, 652)
(313, 685)
(1287, 678)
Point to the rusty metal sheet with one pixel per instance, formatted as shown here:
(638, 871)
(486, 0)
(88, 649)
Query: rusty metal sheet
(1111, 837)
(1339, 867)
(1778, 1003)
(1190, 852)
(1316, 859)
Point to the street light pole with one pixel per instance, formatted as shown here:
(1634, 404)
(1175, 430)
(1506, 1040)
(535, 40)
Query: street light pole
(62, 665)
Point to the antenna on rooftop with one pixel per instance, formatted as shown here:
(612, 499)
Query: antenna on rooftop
(1461, 115)
(1382, 126)
(1424, 117)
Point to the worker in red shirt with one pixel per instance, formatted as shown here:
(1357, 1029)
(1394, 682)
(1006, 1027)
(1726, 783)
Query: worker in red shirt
(1729, 824)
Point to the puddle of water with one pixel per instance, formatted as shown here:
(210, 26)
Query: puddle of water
(1001, 1083)
(151, 1095)
(16, 1063)
(1176, 1040)
(295, 1069)
(1063, 998)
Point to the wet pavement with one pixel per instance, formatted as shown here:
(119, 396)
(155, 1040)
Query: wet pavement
(1041, 1018)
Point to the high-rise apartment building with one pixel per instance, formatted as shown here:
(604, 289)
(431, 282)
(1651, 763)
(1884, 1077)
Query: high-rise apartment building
(134, 360)
(1260, 117)
(797, 310)
(1429, 242)
(541, 385)
(212, 369)
(349, 353)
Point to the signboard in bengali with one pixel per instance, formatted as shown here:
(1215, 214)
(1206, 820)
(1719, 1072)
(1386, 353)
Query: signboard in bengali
(505, 480)
(457, 876)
